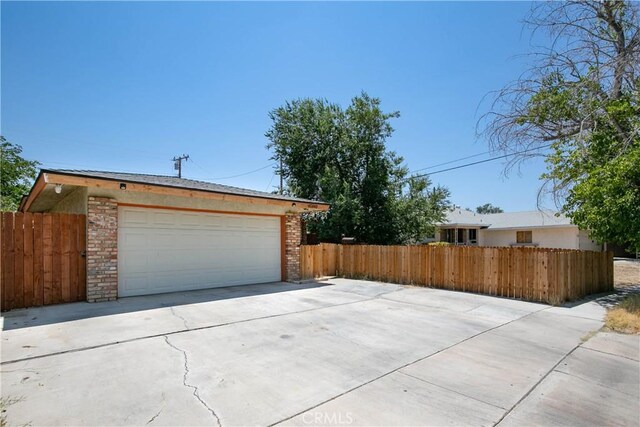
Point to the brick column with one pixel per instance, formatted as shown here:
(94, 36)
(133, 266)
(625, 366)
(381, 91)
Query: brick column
(102, 249)
(293, 234)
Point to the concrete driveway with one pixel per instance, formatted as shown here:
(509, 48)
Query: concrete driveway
(342, 352)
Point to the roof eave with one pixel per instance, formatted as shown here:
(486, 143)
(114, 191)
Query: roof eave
(463, 225)
(85, 180)
(528, 227)
(36, 189)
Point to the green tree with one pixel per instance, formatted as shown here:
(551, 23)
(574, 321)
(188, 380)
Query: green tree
(17, 175)
(339, 156)
(605, 194)
(488, 208)
(579, 105)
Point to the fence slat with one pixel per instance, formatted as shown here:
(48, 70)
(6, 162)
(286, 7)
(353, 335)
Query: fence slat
(65, 234)
(38, 259)
(47, 261)
(7, 261)
(82, 260)
(18, 261)
(73, 257)
(27, 260)
(56, 244)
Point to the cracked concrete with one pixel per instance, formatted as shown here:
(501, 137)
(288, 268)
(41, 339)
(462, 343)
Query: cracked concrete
(186, 384)
(342, 352)
(184, 321)
(152, 419)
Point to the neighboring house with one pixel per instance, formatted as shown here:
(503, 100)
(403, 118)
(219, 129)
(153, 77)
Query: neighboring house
(544, 229)
(150, 234)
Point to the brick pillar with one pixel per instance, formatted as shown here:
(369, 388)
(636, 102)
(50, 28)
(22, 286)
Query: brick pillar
(102, 249)
(293, 234)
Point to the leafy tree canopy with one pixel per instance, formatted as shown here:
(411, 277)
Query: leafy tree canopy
(339, 156)
(17, 175)
(579, 105)
(488, 208)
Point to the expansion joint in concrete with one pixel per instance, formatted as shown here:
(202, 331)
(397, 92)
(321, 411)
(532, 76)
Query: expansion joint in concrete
(611, 354)
(553, 368)
(450, 389)
(411, 363)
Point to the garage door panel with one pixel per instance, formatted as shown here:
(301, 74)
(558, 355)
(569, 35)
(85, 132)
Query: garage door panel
(164, 218)
(135, 262)
(165, 251)
(189, 220)
(134, 240)
(133, 283)
(132, 217)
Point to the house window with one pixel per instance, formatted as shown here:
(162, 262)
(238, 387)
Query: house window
(449, 235)
(473, 235)
(524, 236)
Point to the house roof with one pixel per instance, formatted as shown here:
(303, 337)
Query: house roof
(174, 181)
(506, 220)
(464, 218)
(52, 176)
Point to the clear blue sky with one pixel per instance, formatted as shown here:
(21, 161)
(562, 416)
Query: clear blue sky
(126, 86)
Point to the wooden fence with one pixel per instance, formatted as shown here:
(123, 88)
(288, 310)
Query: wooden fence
(534, 274)
(42, 259)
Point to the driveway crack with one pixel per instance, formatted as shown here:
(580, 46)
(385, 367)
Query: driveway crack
(196, 393)
(184, 321)
(152, 419)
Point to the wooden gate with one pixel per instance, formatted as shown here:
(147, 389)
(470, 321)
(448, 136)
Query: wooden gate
(43, 259)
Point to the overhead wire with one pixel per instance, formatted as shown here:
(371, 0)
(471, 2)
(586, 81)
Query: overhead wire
(480, 161)
(451, 161)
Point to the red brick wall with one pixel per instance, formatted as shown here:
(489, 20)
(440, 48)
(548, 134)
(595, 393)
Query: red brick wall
(102, 249)
(293, 235)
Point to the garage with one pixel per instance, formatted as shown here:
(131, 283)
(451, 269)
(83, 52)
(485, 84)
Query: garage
(162, 250)
(148, 234)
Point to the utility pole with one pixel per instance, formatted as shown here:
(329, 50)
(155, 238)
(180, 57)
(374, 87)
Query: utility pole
(177, 163)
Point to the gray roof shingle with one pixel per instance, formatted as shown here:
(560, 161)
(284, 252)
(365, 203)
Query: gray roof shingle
(175, 182)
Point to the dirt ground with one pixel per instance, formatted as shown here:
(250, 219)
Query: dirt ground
(626, 273)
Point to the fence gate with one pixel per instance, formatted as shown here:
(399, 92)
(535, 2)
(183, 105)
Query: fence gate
(43, 259)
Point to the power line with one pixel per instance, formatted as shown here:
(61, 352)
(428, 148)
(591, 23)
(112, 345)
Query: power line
(451, 161)
(270, 181)
(480, 161)
(47, 139)
(242, 174)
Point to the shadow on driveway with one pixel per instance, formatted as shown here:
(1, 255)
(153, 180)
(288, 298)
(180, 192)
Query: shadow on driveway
(38, 316)
(606, 300)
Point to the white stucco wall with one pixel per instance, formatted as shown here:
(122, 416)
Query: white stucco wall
(75, 202)
(586, 244)
(552, 237)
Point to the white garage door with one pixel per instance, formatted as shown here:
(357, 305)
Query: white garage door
(167, 250)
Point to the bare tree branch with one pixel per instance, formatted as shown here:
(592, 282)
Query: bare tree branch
(591, 60)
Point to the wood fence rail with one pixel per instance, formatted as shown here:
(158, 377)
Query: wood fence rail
(534, 274)
(42, 259)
